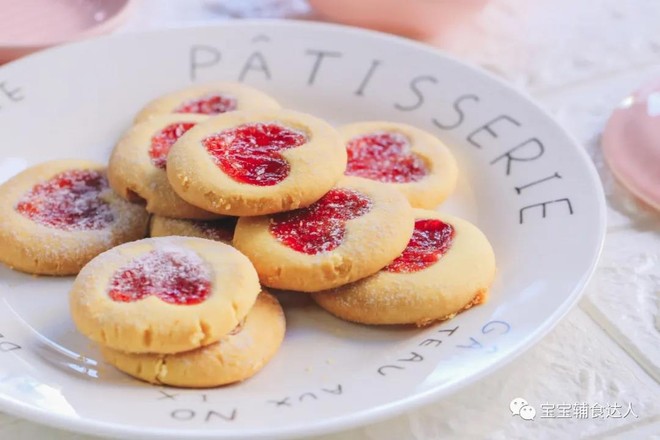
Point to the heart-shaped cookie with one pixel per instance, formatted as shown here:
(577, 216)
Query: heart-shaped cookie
(163, 295)
(69, 201)
(384, 156)
(208, 99)
(173, 276)
(355, 230)
(162, 141)
(447, 267)
(138, 164)
(56, 216)
(255, 163)
(431, 239)
(402, 157)
(250, 153)
(237, 356)
(210, 104)
(322, 226)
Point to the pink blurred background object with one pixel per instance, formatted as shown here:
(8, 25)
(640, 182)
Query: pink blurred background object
(29, 25)
(420, 19)
(631, 143)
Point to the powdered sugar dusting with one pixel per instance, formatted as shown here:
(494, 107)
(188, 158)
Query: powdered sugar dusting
(211, 104)
(322, 226)
(70, 201)
(173, 274)
(384, 156)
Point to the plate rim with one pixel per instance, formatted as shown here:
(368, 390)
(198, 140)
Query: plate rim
(376, 413)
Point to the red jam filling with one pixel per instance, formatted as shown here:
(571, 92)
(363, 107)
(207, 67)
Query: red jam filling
(431, 239)
(69, 201)
(212, 104)
(175, 276)
(320, 227)
(250, 153)
(162, 141)
(385, 157)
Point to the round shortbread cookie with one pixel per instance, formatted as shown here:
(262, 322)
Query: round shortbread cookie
(256, 163)
(446, 268)
(209, 99)
(137, 165)
(57, 216)
(163, 295)
(352, 232)
(403, 157)
(218, 230)
(236, 357)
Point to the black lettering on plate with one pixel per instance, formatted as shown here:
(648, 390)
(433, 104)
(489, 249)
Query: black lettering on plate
(320, 56)
(459, 112)
(218, 415)
(543, 206)
(382, 369)
(255, 63)
(519, 189)
(183, 415)
(167, 396)
(430, 341)
(488, 128)
(336, 391)
(283, 402)
(415, 88)
(367, 78)
(414, 357)
(537, 150)
(202, 56)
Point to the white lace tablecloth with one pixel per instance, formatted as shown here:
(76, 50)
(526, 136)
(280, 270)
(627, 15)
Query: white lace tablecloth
(578, 59)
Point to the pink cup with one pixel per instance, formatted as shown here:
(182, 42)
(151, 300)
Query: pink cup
(29, 25)
(420, 19)
(631, 143)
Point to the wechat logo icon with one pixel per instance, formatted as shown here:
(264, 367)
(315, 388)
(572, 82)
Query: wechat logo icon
(520, 407)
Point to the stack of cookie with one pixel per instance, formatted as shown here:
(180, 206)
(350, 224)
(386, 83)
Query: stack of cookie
(369, 250)
(179, 311)
(240, 193)
(342, 214)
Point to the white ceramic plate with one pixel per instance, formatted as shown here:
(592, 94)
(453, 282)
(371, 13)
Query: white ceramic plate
(524, 182)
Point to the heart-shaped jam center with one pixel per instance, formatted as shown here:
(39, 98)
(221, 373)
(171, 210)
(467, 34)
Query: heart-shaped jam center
(250, 153)
(320, 227)
(175, 276)
(384, 156)
(212, 104)
(162, 141)
(69, 201)
(431, 239)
